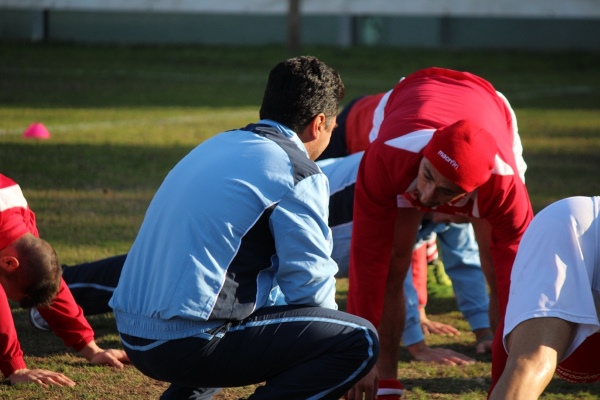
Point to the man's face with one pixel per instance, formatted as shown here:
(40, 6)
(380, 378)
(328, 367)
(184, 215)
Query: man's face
(12, 289)
(10, 274)
(433, 189)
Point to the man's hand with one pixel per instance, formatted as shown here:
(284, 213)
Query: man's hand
(367, 386)
(112, 357)
(484, 338)
(97, 356)
(421, 352)
(428, 326)
(41, 377)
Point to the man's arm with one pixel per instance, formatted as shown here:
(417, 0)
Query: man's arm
(483, 233)
(391, 324)
(303, 245)
(534, 348)
(67, 321)
(394, 311)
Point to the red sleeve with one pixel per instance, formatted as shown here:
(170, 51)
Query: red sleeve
(66, 319)
(12, 355)
(373, 229)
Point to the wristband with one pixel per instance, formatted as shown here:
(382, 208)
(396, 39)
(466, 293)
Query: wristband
(389, 389)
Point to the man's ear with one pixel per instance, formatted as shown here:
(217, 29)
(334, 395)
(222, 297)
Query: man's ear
(9, 263)
(314, 129)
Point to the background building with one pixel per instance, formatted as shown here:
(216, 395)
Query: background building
(448, 24)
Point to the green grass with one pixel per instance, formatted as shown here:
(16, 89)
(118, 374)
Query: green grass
(121, 116)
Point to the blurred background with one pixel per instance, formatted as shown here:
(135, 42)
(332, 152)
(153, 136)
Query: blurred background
(431, 24)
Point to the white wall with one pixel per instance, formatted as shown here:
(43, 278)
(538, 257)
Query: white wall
(471, 8)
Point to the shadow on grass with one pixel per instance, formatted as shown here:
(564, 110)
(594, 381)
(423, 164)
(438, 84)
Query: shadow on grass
(83, 75)
(441, 305)
(47, 166)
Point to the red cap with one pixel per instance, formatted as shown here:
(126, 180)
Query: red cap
(463, 153)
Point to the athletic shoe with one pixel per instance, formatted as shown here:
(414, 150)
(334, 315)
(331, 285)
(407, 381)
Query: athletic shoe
(37, 321)
(180, 392)
(389, 389)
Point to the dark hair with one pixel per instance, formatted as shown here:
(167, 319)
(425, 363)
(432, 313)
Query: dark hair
(39, 271)
(300, 88)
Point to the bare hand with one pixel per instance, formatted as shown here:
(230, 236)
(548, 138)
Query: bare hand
(421, 352)
(483, 347)
(428, 326)
(367, 386)
(484, 338)
(98, 356)
(112, 357)
(40, 377)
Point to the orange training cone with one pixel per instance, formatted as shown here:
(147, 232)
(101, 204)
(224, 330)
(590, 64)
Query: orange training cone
(37, 130)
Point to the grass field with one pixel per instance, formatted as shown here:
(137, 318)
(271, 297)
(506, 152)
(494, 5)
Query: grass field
(121, 116)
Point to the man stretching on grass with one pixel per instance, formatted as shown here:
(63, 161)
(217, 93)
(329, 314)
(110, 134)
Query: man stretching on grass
(30, 274)
(446, 142)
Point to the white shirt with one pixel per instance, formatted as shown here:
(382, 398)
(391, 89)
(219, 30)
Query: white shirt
(557, 269)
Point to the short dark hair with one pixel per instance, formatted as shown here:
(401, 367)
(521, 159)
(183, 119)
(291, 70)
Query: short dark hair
(39, 271)
(300, 88)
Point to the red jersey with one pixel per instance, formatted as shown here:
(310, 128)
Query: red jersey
(63, 315)
(421, 103)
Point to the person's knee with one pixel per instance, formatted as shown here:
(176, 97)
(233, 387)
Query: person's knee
(367, 349)
(368, 340)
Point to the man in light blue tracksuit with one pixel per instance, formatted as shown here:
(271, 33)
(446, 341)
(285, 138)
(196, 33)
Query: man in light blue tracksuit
(238, 223)
(459, 252)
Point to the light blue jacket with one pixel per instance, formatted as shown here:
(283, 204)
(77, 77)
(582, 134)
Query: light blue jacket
(240, 220)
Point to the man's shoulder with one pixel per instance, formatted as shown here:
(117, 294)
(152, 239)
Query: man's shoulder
(302, 165)
(263, 150)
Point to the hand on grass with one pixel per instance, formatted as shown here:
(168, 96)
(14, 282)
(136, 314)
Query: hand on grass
(484, 338)
(428, 326)
(111, 357)
(367, 386)
(421, 352)
(40, 377)
(97, 356)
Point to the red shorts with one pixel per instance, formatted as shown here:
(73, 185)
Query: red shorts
(583, 365)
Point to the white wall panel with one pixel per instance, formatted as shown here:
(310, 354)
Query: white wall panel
(467, 8)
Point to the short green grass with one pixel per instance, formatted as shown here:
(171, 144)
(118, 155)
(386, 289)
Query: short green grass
(121, 116)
